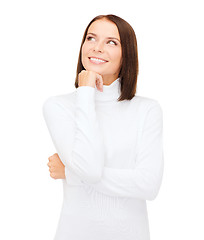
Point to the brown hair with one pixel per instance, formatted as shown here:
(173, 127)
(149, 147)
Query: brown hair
(129, 68)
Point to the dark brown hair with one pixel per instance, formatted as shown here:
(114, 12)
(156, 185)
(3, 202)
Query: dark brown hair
(129, 68)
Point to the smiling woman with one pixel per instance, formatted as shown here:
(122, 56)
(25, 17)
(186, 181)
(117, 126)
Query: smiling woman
(108, 142)
(111, 38)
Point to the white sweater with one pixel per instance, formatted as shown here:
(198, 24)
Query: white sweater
(113, 157)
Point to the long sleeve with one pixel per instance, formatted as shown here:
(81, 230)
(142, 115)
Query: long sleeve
(142, 182)
(77, 138)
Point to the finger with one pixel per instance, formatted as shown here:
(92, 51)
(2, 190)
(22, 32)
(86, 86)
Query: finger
(52, 175)
(99, 81)
(99, 78)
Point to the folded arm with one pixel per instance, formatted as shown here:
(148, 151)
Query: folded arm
(144, 180)
(77, 138)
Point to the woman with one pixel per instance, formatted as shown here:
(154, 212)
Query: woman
(108, 140)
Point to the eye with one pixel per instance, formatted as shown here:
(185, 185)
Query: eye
(90, 38)
(112, 42)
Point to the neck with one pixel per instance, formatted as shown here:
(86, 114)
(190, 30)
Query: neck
(111, 92)
(107, 80)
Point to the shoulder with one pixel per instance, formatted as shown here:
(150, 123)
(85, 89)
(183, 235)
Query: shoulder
(145, 101)
(59, 102)
(145, 110)
(62, 99)
(144, 104)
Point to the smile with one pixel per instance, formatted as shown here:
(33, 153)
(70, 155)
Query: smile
(97, 60)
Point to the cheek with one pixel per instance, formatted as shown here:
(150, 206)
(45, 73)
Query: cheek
(83, 54)
(83, 51)
(85, 48)
(117, 55)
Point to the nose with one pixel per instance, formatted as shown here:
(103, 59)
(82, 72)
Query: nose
(98, 47)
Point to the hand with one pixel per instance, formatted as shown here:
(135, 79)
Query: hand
(56, 167)
(90, 78)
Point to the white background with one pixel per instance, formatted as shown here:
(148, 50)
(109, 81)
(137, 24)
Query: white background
(39, 46)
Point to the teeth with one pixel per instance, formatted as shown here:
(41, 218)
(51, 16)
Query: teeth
(97, 60)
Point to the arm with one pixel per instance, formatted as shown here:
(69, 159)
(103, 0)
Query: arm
(144, 180)
(77, 139)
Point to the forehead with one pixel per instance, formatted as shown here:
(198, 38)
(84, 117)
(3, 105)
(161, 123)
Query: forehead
(104, 28)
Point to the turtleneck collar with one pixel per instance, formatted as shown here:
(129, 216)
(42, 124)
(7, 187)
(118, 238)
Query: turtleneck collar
(110, 92)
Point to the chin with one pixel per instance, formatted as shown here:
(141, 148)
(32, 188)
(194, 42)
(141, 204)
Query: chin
(95, 69)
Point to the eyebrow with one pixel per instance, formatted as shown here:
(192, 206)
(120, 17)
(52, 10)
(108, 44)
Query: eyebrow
(107, 37)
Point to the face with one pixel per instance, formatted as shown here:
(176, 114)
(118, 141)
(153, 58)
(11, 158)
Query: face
(101, 51)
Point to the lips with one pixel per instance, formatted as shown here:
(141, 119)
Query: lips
(97, 60)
